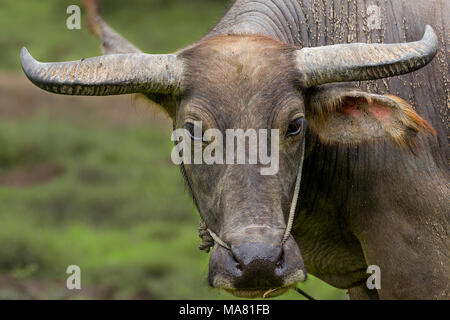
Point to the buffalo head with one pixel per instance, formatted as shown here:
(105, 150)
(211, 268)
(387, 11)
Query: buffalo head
(252, 82)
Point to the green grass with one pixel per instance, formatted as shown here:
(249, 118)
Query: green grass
(118, 208)
(155, 26)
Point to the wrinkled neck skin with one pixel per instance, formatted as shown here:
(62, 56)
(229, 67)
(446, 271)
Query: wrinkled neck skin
(370, 204)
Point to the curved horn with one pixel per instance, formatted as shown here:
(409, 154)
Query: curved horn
(360, 61)
(106, 75)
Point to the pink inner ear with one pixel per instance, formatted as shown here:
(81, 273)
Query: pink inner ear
(380, 112)
(351, 109)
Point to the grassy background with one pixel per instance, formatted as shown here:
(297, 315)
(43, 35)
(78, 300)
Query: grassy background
(89, 181)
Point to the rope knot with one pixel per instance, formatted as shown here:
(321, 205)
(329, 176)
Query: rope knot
(207, 240)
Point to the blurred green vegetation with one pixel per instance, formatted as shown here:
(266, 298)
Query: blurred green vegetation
(77, 188)
(154, 26)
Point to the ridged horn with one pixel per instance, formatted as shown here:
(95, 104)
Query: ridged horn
(106, 75)
(361, 61)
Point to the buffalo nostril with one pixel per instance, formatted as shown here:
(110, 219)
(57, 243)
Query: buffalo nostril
(258, 256)
(251, 265)
(260, 265)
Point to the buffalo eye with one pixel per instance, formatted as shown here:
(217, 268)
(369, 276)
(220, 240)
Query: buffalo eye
(190, 127)
(295, 127)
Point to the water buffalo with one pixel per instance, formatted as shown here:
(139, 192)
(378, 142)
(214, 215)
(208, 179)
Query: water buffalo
(375, 187)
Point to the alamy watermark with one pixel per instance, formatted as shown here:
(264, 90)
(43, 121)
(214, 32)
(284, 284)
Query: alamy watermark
(74, 20)
(73, 282)
(190, 147)
(374, 281)
(374, 17)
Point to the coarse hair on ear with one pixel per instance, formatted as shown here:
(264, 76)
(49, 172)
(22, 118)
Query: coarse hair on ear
(340, 114)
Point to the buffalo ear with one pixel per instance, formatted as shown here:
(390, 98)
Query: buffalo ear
(348, 115)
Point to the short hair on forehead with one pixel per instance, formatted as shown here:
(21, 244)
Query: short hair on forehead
(228, 67)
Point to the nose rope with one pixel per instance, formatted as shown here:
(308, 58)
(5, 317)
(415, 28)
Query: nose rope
(218, 240)
(295, 197)
(209, 237)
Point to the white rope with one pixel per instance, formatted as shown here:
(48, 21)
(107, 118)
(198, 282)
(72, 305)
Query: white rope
(218, 240)
(295, 197)
(291, 212)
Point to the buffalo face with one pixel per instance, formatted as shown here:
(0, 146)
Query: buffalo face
(232, 85)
